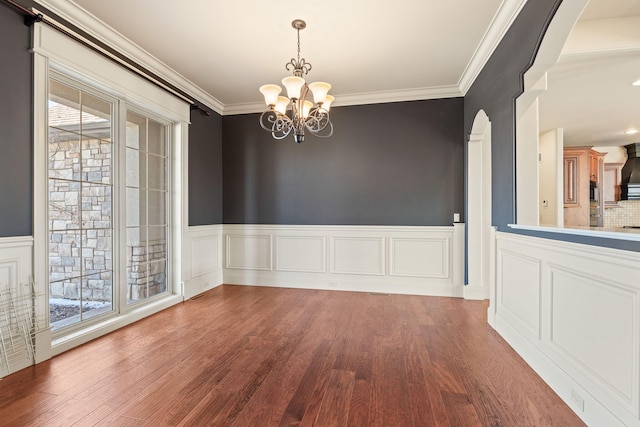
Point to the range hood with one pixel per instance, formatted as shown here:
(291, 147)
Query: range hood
(630, 184)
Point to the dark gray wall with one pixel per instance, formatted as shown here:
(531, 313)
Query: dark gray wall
(15, 126)
(16, 171)
(386, 164)
(205, 168)
(495, 90)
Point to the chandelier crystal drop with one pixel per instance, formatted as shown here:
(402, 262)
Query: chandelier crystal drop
(296, 112)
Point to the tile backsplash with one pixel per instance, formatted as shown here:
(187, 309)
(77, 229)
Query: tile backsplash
(627, 214)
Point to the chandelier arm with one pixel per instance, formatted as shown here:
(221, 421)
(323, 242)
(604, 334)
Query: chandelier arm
(267, 118)
(317, 120)
(321, 133)
(281, 127)
(278, 124)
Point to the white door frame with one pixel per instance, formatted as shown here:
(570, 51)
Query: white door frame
(479, 209)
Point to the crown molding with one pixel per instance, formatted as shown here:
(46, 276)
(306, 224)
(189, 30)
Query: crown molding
(501, 23)
(381, 97)
(85, 21)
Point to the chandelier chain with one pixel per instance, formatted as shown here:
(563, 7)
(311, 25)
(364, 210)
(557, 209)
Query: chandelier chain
(298, 45)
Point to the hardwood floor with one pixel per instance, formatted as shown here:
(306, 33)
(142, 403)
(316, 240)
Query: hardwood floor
(252, 356)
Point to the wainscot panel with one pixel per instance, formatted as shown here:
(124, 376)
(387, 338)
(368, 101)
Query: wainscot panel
(421, 257)
(390, 259)
(203, 261)
(304, 254)
(18, 324)
(519, 295)
(587, 298)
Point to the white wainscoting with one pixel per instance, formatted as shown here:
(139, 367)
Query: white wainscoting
(16, 275)
(202, 269)
(408, 260)
(573, 313)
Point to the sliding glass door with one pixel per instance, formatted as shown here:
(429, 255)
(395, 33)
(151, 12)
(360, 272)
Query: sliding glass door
(108, 201)
(146, 201)
(80, 204)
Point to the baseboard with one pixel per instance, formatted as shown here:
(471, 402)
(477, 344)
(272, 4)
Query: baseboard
(594, 413)
(341, 283)
(202, 284)
(476, 292)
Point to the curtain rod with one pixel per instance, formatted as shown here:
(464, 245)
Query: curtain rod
(31, 17)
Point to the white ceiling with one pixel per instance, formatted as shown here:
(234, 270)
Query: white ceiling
(370, 51)
(589, 91)
(374, 51)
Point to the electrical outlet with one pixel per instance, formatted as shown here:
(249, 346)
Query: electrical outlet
(577, 400)
(456, 217)
(333, 284)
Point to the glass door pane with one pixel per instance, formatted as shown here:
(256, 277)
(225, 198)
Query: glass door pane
(146, 207)
(80, 214)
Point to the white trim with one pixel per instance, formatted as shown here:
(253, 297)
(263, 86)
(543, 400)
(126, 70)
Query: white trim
(40, 203)
(476, 292)
(381, 97)
(478, 190)
(508, 12)
(600, 232)
(69, 341)
(80, 62)
(491, 310)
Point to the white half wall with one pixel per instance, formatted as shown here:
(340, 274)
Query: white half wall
(573, 313)
(409, 260)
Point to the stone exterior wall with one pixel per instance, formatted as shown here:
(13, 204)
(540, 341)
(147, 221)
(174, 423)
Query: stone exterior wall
(80, 224)
(145, 279)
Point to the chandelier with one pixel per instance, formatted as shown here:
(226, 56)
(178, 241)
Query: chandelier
(297, 112)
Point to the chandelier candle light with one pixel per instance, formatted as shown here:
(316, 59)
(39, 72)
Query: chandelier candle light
(296, 112)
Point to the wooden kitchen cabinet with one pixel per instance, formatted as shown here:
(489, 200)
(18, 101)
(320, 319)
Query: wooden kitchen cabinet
(611, 184)
(583, 169)
(594, 158)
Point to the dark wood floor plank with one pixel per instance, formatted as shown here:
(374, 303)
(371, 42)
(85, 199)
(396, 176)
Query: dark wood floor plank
(94, 417)
(251, 356)
(334, 409)
(362, 391)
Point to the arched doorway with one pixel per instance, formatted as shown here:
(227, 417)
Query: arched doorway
(479, 209)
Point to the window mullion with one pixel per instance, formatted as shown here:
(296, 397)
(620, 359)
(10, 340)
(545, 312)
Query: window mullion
(120, 202)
